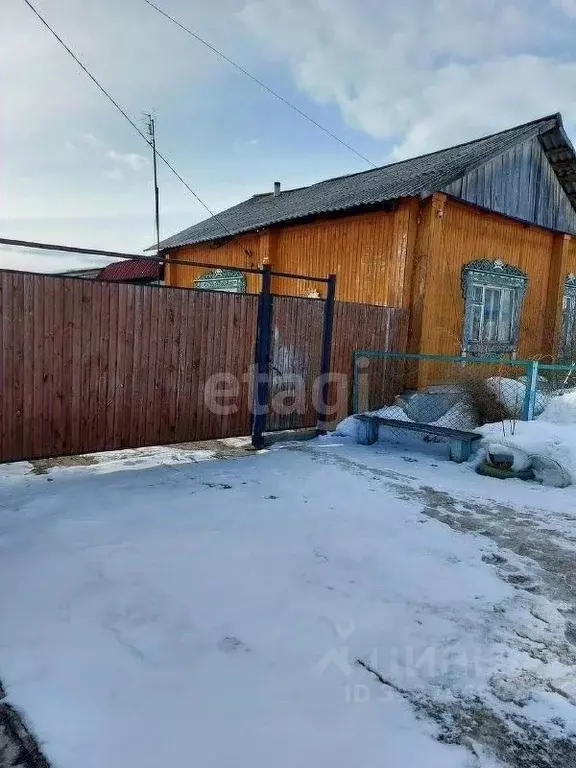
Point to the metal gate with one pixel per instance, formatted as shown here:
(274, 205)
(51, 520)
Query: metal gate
(293, 354)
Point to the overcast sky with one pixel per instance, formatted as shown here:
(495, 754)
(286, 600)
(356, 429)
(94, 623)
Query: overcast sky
(392, 79)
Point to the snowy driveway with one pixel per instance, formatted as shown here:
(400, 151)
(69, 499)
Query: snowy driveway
(320, 604)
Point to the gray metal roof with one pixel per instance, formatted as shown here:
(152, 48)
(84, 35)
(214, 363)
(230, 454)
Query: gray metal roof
(418, 176)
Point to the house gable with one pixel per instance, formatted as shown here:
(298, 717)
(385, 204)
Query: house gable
(521, 183)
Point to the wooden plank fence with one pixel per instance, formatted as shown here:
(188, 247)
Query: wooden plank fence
(295, 354)
(90, 366)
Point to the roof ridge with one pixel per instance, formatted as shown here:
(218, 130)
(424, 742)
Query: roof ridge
(413, 176)
(546, 118)
(555, 116)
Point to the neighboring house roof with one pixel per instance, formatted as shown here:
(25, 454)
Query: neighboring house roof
(132, 269)
(418, 176)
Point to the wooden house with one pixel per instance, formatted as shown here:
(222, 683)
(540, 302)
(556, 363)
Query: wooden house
(477, 242)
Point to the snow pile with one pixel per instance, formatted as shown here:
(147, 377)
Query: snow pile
(550, 449)
(460, 416)
(349, 426)
(561, 409)
(512, 393)
(547, 444)
(521, 458)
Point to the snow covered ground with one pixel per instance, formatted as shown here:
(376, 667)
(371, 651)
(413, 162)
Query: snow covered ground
(546, 445)
(319, 604)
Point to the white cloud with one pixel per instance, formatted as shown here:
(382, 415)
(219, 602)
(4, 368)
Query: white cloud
(568, 6)
(91, 141)
(415, 75)
(245, 145)
(130, 160)
(114, 175)
(424, 74)
(120, 161)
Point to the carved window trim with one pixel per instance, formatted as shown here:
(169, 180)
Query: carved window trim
(229, 280)
(567, 350)
(507, 282)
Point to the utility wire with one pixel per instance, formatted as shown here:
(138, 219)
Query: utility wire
(259, 82)
(129, 119)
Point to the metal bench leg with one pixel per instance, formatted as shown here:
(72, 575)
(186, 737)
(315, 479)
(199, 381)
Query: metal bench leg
(367, 432)
(460, 450)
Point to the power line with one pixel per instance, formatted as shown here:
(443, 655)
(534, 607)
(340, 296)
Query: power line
(119, 255)
(129, 119)
(157, 259)
(259, 82)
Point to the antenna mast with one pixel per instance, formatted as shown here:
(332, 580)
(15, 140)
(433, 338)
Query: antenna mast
(151, 127)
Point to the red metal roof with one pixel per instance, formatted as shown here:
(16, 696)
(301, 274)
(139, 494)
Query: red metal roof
(133, 269)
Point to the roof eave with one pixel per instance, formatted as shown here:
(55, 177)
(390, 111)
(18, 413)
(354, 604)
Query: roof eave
(387, 203)
(561, 155)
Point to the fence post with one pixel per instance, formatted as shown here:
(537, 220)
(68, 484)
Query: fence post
(262, 359)
(531, 390)
(355, 393)
(322, 406)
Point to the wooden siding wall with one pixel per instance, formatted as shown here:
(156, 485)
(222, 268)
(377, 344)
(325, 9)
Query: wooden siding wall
(560, 260)
(370, 253)
(520, 183)
(570, 264)
(242, 251)
(453, 234)
(412, 258)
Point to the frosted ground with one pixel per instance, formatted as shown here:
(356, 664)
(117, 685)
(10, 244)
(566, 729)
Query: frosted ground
(319, 604)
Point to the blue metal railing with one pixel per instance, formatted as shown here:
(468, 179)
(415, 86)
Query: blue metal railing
(541, 380)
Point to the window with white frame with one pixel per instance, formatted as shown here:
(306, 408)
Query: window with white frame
(493, 294)
(567, 349)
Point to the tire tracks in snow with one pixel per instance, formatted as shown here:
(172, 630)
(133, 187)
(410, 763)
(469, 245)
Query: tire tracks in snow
(495, 721)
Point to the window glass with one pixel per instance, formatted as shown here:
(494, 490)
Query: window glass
(568, 348)
(506, 325)
(476, 323)
(493, 293)
(491, 319)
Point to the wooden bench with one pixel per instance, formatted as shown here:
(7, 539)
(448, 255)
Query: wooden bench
(460, 440)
